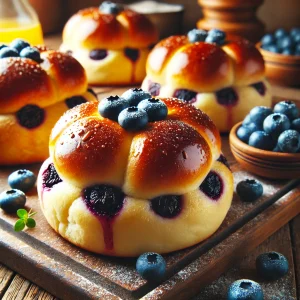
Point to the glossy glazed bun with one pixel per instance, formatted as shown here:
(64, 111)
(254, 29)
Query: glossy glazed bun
(33, 95)
(112, 45)
(122, 193)
(225, 80)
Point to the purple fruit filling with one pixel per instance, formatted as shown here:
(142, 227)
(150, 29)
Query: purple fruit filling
(260, 87)
(186, 95)
(154, 88)
(212, 186)
(222, 159)
(50, 177)
(104, 200)
(74, 101)
(98, 54)
(132, 54)
(30, 116)
(227, 97)
(168, 206)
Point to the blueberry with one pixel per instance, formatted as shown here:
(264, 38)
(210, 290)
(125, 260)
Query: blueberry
(287, 51)
(276, 149)
(296, 124)
(287, 108)
(244, 132)
(133, 118)
(297, 48)
(247, 120)
(19, 45)
(167, 206)
(8, 52)
(109, 7)
(245, 289)
(212, 186)
(261, 140)
(30, 116)
(12, 200)
(285, 43)
(216, 36)
(111, 107)
(272, 265)
(271, 48)
(280, 33)
(294, 31)
(296, 38)
(151, 266)
(32, 53)
(275, 124)
(259, 113)
(268, 39)
(289, 141)
(2, 46)
(98, 54)
(155, 109)
(197, 35)
(249, 190)
(74, 101)
(22, 180)
(135, 96)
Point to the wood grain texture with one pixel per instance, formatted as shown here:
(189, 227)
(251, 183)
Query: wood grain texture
(6, 276)
(17, 289)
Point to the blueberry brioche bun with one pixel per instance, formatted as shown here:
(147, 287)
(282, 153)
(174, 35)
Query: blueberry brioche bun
(122, 192)
(111, 42)
(225, 78)
(34, 93)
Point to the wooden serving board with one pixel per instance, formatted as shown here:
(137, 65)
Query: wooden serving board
(68, 272)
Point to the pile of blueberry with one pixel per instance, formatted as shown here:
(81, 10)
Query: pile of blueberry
(20, 48)
(215, 36)
(287, 43)
(133, 110)
(275, 130)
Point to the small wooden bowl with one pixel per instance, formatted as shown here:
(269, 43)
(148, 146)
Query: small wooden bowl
(264, 163)
(281, 69)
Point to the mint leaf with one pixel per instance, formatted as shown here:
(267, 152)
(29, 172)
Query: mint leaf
(30, 223)
(20, 225)
(22, 213)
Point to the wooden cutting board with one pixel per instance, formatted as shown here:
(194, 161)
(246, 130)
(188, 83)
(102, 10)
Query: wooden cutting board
(71, 273)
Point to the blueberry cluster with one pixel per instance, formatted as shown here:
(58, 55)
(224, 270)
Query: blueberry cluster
(287, 43)
(109, 7)
(275, 130)
(133, 110)
(20, 48)
(215, 36)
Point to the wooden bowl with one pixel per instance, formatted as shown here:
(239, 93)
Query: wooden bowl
(281, 69)
(264, 163)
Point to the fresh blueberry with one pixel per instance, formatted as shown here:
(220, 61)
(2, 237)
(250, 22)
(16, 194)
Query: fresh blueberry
(294, 31)
(167, 206)
(22, 180)
(272, 265)
(275, 124)
(19, 44)
(155, 109)
(216, 36)
(8, 52)
(271, 48)
(287, 51)
(297, 52)
(197, 35)
(245, 289)
(247, 120)
(287, 108)
(109, 7)
(244, 132)
(259, 113)
(135, 96)
(296, 38)
(249, 190)
(32, 53)
(2, 46)
(151, 266)
(12, 200)
(268, 39)
(261, 140)
(111, 107)
(285, 43)
(280, 33)
(296, 124)
(276, 149)
(289, 141)
(297, 47)
(133, 118)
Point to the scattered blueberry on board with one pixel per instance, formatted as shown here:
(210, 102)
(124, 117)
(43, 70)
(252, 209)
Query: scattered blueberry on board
(272, 265)
(245, 289)
(12, 200)
(275, 130)
(249, 190)
(281, 41)
(151, 266)
(22, 180)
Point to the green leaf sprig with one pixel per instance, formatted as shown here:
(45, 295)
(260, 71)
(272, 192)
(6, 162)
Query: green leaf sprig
(25, 220)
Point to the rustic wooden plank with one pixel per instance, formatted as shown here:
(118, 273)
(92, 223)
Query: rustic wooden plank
(17, 289)
(6, 276)
(36, 293)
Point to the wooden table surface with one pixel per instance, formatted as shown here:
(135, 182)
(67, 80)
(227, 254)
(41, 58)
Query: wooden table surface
(285, 241)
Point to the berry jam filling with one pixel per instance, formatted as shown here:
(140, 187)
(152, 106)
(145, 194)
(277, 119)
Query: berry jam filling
(186, 95)
(154, 88)
(104, 200)
(227, 97)
(30, 116)
(212, 186)
(74, 101)
(167, 206)
(50, 177)
(222, 159)
(98, 54)
(132, 54)
(260, 87)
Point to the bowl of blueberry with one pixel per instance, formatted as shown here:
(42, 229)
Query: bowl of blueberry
(281, 52)
(267, 142)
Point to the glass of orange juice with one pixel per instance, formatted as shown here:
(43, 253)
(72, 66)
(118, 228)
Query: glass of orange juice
(19, 20)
